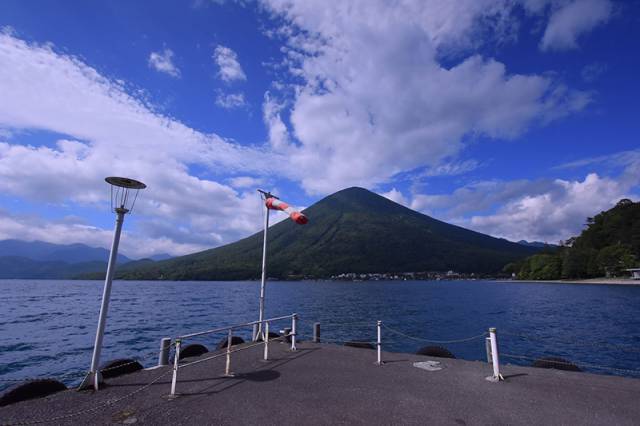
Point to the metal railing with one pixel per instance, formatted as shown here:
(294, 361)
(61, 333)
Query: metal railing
(229, 329)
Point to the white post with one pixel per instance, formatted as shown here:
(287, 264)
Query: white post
(227, 369)
(163, 356)
(174, 379)
(94, 375)
(379, 343)
(294, 324)
(266, 340)
(494, 357)
(264, 272)
(487, 347)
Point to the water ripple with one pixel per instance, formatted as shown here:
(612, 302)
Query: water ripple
(49, 326)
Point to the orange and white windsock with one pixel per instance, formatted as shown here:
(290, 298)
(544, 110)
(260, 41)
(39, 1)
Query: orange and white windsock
(296, 216)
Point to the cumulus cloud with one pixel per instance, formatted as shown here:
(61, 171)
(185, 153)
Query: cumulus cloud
(375, 99)
(229, 68)
(246, 182)
(110, 132)
(572, 20)
(163, 62)
(73, 229)
(553, 215)
(278, 132)
(541, 210)
(230, 100)
(396, 196)
(366, 96)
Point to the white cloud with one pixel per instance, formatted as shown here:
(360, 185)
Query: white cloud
(396, 196)
(572, 20)
(553, 215)
(70, 230)
(230, 100)
(112, 133)
(541, 210)
(375, 99)
(246, 182)
(371, 99)
(163, 62)
(453, 168)
(278, 132)
(229, 68)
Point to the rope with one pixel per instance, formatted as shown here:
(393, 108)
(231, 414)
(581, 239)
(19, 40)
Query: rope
(89, 410)
(369, 323)
(579, 364)
(419, 339)
(221, 354)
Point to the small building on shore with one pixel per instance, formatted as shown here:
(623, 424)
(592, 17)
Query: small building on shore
(635, 273)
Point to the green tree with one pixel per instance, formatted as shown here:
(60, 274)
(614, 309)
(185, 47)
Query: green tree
(545, 267)
(614, 259)
(579, 262)
(610, 243)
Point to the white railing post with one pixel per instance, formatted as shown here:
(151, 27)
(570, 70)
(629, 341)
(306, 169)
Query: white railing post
(163, 356)
(495, 359)
(294, 323)
(175, 367)
(227, 369)
(487, 347)
(379, 342)
(266, 340)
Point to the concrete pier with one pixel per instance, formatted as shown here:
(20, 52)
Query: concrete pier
(329, 384)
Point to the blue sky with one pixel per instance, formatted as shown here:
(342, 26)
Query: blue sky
(516, 118)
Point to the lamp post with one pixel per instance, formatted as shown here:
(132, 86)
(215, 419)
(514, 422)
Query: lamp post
(271, 202)
(122, 201)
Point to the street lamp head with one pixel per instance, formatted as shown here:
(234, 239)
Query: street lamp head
(124, 193)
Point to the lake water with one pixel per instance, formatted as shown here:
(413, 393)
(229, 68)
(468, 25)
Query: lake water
(47, 328)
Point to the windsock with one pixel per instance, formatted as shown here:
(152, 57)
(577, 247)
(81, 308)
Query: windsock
(275, 204)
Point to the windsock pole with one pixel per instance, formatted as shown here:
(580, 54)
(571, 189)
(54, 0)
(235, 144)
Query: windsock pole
(264, 274)
(271, 202)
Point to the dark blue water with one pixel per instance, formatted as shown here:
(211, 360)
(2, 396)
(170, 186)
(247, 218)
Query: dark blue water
(47, 328)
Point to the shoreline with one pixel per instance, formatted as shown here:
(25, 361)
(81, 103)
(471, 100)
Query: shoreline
(592, 281)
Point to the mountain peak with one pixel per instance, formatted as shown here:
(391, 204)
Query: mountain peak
(352, 230)
(356, 198)
(353, 192)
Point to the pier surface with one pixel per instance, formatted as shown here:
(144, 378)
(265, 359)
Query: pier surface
(329, 384)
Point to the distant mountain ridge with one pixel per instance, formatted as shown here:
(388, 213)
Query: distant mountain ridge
(42, 260)
(49, 252)
(353, 230)
(15, 267)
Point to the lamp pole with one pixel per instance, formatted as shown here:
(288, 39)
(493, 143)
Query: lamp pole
(94, 377)
(119, 199)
